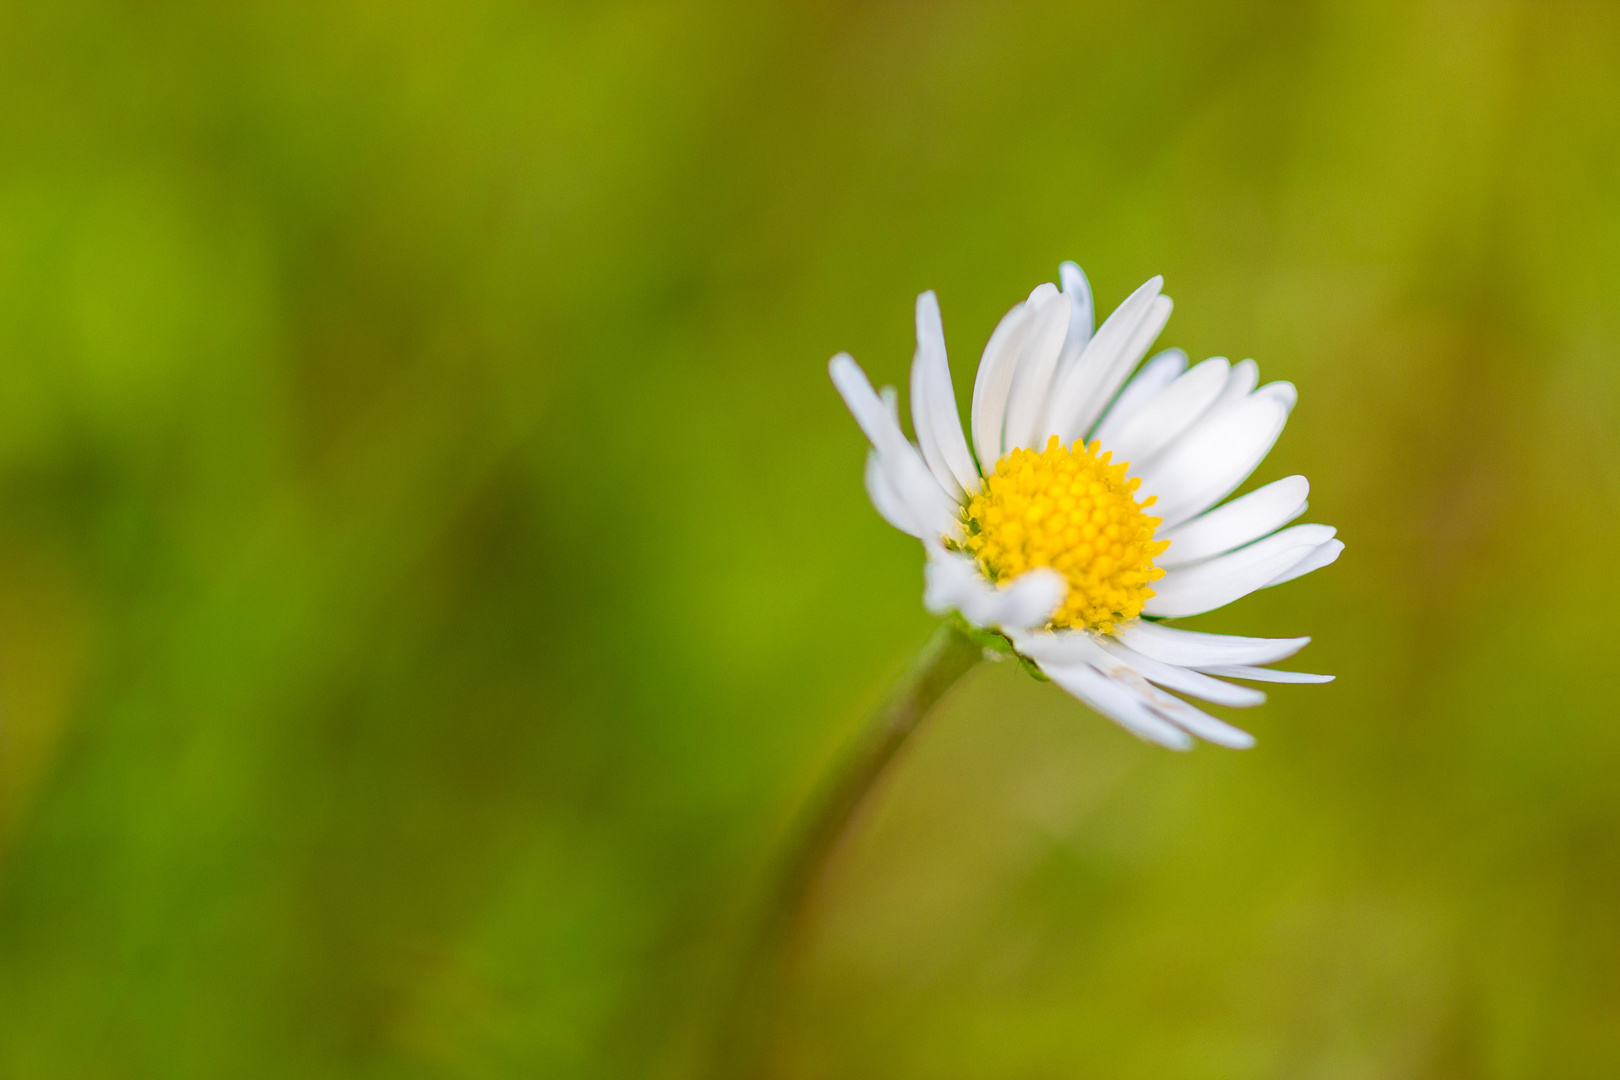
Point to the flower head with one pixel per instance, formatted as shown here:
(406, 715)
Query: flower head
(1085, 512)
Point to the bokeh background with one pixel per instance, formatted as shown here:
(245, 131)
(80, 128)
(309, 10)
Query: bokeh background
(434, 565)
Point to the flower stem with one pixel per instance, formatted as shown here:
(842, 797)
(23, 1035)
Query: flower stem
(748, 1025)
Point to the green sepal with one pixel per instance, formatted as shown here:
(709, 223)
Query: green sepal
(996, 642)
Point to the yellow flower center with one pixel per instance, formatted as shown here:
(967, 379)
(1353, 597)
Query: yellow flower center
(1071, 510)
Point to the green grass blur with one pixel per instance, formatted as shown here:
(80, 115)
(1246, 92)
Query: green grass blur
(434, 564)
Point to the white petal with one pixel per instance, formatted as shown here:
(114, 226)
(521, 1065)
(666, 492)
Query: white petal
(1190, 648)
(1260, 674)
(949, 586)
(1075, 284)
(1078, 397)
(1204, 465)
(934, 512)
(994, 382)
(1112, 657)
(1032, 381)
(1136, 671)
(921, 408)
(885, 498)
(1067, 650)
(1325, 555)
(1284, 392)
(1195, 721)
(1149, 380)
(1239, 385)
(954, 583)
(933, 405)
(928, 506)
(1165, 418)
(1217, 582)
(1032, 598)
(904, 477)
(1119, 703)
(1078, 290)
(1239, 522)
(1185, 680)
(1062, 647)
(1146, 334)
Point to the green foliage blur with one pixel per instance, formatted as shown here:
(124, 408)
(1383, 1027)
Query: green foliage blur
(434, 566)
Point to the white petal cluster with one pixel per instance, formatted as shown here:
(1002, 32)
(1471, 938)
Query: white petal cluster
(1192, 436)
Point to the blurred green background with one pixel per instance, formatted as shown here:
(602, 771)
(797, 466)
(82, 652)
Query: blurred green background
(434, 564)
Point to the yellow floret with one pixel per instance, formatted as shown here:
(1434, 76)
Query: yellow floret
(1073, 511)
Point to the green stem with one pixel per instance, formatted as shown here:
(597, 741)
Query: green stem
(748, 1025)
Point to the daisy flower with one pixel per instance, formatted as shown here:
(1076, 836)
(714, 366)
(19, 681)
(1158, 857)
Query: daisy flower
(1087, 509)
